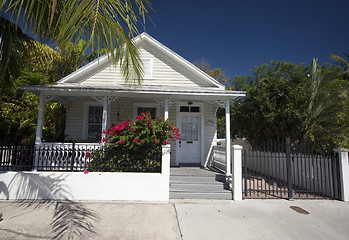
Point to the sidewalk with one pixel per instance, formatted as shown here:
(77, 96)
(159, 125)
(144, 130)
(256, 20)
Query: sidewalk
(95, 220)
(263, 219)
(194, 219)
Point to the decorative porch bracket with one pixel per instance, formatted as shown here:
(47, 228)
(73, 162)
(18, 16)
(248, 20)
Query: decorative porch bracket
(105, 101)
(166, 102)
(226, 104)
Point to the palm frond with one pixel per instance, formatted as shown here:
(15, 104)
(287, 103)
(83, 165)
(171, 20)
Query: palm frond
(12, 41)
(107, 24)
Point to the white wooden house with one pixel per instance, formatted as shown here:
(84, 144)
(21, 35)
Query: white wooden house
(96, 96)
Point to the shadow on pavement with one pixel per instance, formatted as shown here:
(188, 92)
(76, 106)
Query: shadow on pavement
(71, 219)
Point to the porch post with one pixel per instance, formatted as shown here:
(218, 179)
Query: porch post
(228, 142)
(166, 109)
(104, 116)
(40, 121)
(105, 101)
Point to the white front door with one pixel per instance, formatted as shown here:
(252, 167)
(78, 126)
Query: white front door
(189, 145)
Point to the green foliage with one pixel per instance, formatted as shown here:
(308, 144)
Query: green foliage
(284, 99)
(274, 105)
(134, 146)
(39, 65)
(328, 109)
(17, 108)
(54, 123)
(69, 60)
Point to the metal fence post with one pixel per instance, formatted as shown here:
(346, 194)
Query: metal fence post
(288, 166)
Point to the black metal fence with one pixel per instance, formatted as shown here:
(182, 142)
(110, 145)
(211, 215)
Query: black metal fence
(290, 169)
(73, 157)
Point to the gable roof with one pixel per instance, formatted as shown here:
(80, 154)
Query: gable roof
(141, 40)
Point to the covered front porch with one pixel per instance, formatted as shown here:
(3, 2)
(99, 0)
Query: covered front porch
(90, 111)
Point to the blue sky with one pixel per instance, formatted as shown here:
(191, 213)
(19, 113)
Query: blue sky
(238, 35)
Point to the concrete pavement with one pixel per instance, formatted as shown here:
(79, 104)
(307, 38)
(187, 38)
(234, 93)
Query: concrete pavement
(179, 219)
(88, 220)
(263, 219)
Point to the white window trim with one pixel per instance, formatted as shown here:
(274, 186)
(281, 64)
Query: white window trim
(154, 105)
(151, 66)
(86, 108)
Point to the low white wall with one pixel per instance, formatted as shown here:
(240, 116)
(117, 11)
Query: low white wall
(91, 186)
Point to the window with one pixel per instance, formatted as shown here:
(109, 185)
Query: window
(184, 109)
(189, 109)
(147, 68)
(151, 108)
(190, 128)
(94, 123)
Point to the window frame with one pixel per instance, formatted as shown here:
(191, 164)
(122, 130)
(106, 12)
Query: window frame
(149, 105)
(86, 113)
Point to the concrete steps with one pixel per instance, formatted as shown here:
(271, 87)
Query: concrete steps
(194, 184)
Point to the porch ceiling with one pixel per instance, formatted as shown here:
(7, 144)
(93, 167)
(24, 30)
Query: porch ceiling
(74, 91)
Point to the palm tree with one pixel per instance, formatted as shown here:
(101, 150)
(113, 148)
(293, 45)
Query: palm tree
(106, 24)
(343, 63)
(323, 99)
(12, 41)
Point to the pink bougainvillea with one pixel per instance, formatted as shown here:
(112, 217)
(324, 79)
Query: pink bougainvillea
(142, 130)
(131, 141)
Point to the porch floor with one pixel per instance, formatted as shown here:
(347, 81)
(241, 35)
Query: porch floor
(198, 183)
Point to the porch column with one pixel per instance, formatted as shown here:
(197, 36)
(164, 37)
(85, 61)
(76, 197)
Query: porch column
(40, 122)
(105, 101)
(227, 134)
(166, 109)
(39, 125)
(104, 117)
(226, 104)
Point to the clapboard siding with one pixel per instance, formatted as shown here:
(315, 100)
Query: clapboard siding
(210, 131)
(165, 73)
(75, 119)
